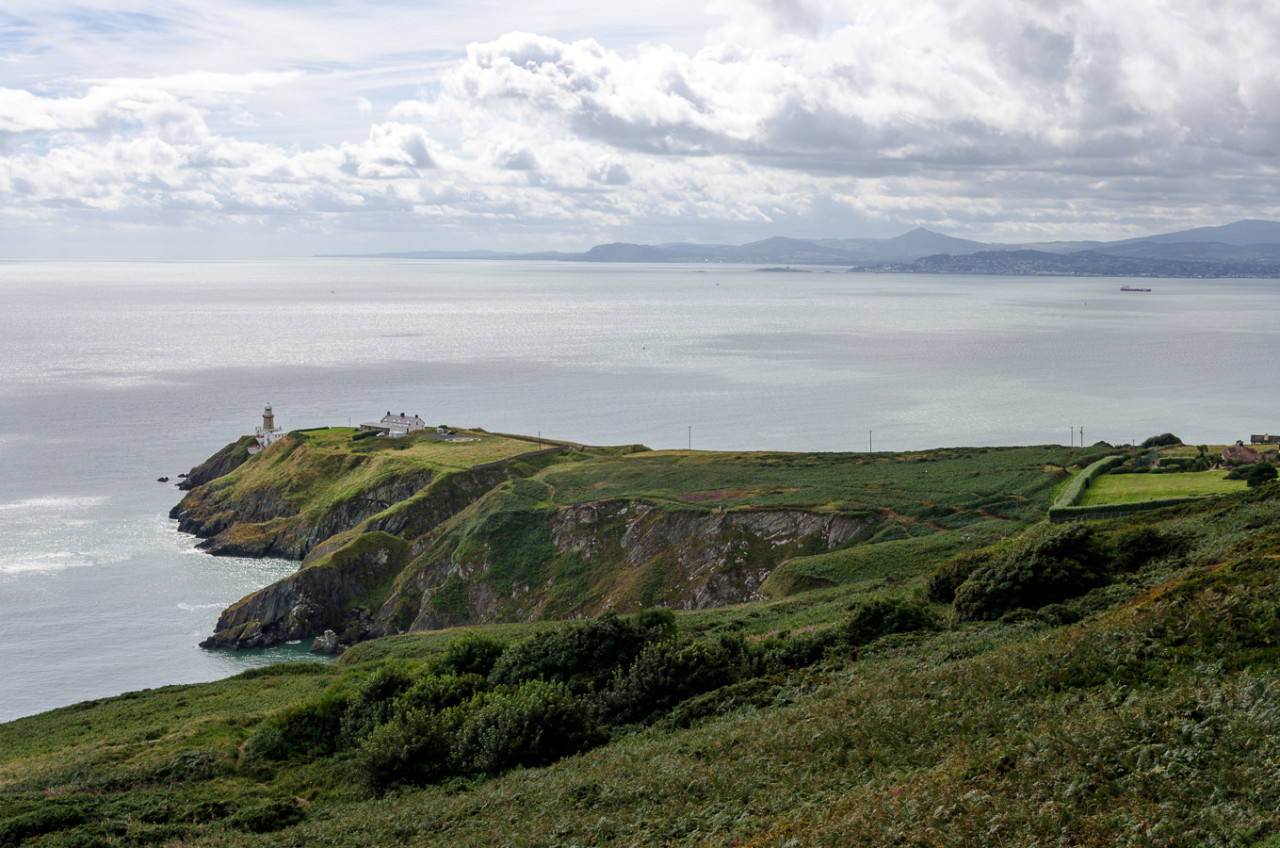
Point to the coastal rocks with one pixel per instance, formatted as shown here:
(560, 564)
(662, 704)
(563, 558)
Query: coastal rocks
(326, 643)
(322, 596)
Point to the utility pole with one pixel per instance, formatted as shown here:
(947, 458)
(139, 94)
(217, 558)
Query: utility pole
(869, 448)
(690, 437)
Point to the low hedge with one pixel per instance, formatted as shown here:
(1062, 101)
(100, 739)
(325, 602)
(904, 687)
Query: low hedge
(1059, 514)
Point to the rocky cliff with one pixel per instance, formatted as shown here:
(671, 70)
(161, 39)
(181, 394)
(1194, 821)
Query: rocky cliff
(608, 555)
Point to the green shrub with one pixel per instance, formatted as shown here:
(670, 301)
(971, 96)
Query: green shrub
(667, 672)
(308, 730)
(941, 585)
(48, 818)
(1164, 440)
(469, 653)
(534, 725)
(413, 748)
(873, 619)
(582, 655)
(1046, 566)
(778, 655)
(374, 702)
(1134, 547)
(1260, 473)
(436, 692)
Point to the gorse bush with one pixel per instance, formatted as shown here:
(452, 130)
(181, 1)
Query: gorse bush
(533, 725)
(374, 701)
(310, 729)
(470, 653)
(945, 579)
(1047, 565)
(665, 673)
(873, 619)
(583, 656)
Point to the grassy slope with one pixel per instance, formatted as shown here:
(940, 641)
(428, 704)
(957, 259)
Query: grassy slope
(1156, 720)
(318, 468)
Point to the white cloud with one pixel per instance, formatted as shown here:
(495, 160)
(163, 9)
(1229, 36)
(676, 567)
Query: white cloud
(1020, 117)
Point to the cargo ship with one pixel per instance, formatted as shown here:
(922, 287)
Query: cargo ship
(1132, 288)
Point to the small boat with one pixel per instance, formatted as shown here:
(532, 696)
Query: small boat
(1132, 288)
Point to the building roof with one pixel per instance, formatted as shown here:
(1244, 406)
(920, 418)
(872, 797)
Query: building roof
(1241, 452)
(401, 419)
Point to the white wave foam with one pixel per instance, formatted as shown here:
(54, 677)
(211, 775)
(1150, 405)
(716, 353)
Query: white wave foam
(53, 561)
(54, 502)
(185, 607)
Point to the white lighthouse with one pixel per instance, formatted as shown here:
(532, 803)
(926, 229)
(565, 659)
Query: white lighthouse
(268, 433)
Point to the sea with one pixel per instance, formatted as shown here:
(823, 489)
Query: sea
(116, 374)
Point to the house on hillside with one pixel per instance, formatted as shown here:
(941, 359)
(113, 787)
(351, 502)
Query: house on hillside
(1239, 453)
(1264, 440)
(395, 426)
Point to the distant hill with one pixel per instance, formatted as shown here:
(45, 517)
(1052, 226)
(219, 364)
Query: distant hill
(1241, 249)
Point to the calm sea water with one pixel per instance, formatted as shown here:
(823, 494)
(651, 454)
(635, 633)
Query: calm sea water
(114, 374)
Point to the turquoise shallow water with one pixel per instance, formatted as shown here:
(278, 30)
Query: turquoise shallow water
(113, 374)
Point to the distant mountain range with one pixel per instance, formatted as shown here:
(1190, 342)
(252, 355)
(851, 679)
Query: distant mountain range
(1242, 249)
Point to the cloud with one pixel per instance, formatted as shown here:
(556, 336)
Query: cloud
(1054, 118)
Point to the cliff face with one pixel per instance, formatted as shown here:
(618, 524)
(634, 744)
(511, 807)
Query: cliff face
(611, 555)
(267, 522)
(321, 596)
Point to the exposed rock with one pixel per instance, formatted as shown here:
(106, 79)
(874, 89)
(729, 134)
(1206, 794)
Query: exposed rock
(314, 599)
(221, 463)
(326, 643)
(713, 558)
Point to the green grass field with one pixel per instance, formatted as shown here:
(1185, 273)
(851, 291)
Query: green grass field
(436, 453)
(1131, 488)
(1004, 483)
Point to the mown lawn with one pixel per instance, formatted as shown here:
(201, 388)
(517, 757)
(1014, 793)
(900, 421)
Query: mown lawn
(1130, 488)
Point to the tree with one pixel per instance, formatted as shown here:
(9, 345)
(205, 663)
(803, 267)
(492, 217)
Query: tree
(1259, 474)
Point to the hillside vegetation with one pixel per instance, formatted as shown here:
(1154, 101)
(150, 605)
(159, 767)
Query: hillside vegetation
(1089, 684)
(417, 534)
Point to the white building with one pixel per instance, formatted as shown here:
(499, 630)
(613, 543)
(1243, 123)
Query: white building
(395, 426)
(268, 434)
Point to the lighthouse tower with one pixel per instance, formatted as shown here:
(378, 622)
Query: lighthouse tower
(268, 433)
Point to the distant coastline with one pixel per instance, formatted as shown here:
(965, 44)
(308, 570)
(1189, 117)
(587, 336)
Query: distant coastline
(1242, 250)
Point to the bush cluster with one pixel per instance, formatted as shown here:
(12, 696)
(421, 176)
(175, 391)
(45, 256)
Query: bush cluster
(1046, 566)
(482, 707)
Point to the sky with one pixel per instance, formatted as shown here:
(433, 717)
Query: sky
(280, 128)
